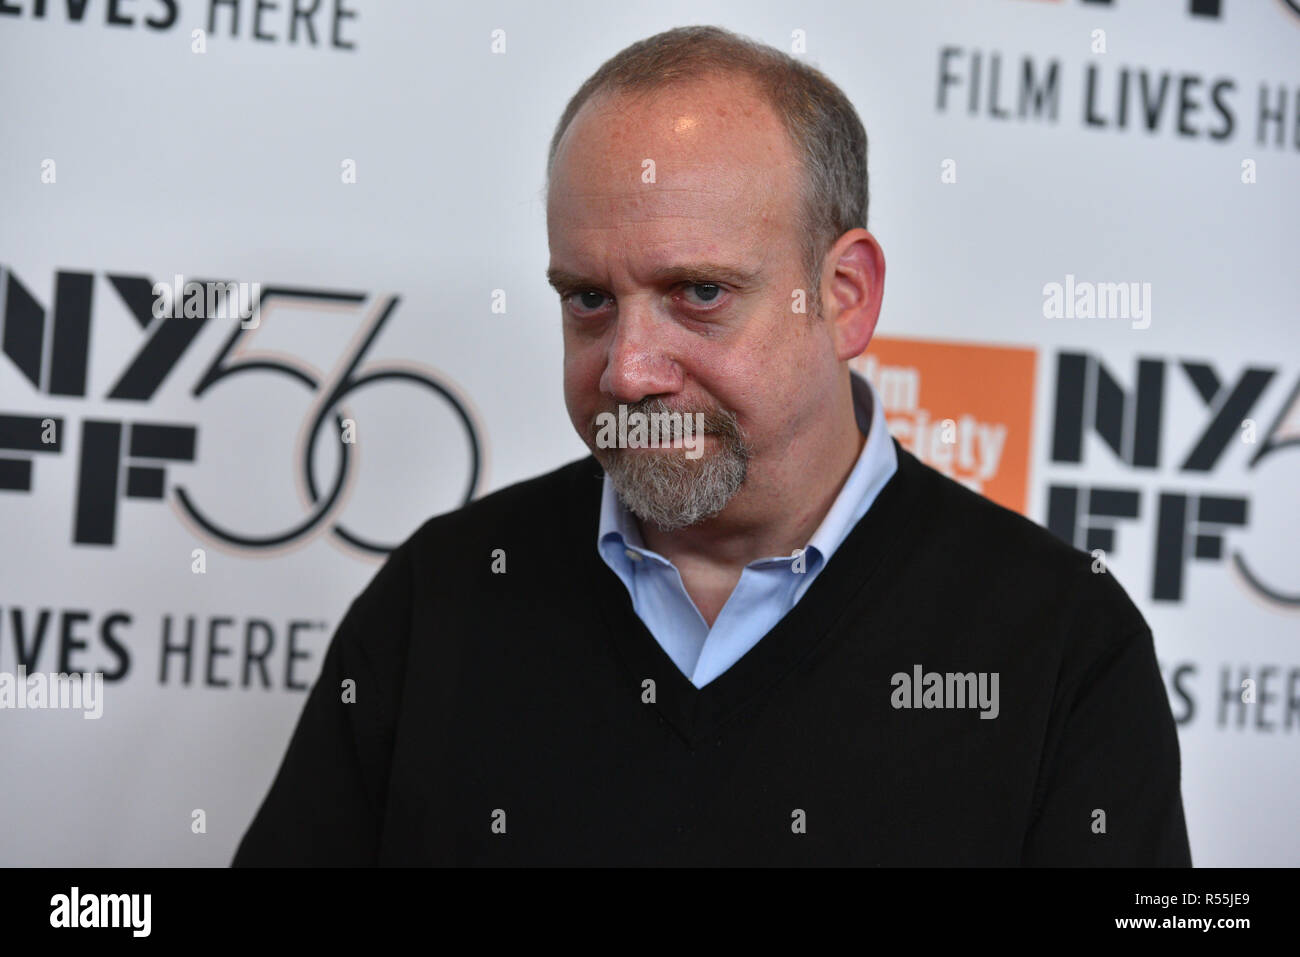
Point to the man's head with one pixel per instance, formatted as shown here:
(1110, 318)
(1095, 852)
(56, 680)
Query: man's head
(706, 214)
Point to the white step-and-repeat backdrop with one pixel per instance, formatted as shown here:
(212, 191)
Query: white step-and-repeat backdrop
(1089, 211)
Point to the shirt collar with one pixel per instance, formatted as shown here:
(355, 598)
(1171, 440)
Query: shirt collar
(618, 530)
(875, 464)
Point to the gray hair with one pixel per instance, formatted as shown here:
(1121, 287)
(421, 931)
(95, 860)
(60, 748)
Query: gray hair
(822, 124)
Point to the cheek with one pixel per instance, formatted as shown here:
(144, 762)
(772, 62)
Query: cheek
(582, 372)
(582, 369)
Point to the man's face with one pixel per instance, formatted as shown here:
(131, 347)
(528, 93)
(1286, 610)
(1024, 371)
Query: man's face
(672, 223)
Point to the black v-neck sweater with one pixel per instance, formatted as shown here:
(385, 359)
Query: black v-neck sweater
(529, 717)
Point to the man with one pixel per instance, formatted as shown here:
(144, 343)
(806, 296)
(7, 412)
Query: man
(784, 641)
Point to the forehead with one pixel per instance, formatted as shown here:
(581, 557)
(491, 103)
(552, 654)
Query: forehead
(724, 170)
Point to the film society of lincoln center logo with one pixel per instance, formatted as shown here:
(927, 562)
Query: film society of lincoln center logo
(253, 430)
(965, 410)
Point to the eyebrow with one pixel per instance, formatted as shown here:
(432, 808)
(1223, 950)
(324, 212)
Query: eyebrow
(562, 279)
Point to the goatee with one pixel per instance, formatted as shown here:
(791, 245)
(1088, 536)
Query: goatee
(670, 490)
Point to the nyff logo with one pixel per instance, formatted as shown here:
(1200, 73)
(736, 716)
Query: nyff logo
(1190, 524)
(127, 458)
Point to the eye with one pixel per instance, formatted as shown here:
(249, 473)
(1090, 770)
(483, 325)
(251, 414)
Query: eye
(584, 300)
(703, 296)
(707, 291)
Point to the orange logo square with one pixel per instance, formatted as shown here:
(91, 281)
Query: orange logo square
(964, 410)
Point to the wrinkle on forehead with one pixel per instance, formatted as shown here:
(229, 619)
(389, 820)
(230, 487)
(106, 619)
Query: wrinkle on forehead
(714, 198)
(718, 129)
(725, 175)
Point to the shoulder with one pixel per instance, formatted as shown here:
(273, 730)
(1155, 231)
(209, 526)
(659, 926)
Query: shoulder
(539, 506)
(448, 553)
(542, 509)
(992, 551)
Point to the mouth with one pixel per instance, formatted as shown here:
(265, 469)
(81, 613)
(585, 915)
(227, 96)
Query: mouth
(673, 443)
(654, 430)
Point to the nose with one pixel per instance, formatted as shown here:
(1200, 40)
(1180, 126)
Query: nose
(637, 363)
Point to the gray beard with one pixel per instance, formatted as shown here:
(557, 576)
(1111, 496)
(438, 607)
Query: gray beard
(670, 491)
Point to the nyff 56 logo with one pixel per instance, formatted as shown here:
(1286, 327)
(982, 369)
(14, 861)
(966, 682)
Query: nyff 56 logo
(125, 457)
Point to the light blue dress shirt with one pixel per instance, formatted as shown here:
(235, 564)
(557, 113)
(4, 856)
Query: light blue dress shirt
(768, 588)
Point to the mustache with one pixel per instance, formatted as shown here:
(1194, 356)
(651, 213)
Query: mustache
(717, 421)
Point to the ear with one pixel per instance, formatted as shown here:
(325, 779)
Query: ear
(853, 284)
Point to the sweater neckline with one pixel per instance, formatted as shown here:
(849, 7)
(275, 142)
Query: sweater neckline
(697, 713)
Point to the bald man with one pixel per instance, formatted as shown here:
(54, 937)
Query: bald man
(749, 627)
